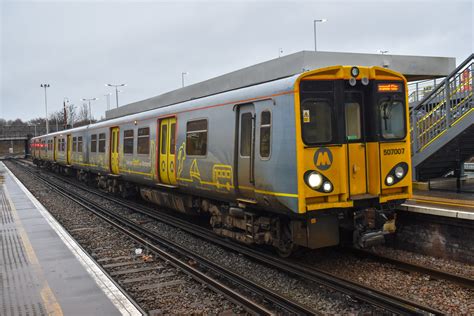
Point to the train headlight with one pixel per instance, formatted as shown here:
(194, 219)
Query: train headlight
(314, 180)
(327, 187)
(355, 71)
(389, 180)
(399, 172)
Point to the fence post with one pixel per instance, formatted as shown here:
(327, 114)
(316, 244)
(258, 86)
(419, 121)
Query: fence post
(447, 104)
(415, 130)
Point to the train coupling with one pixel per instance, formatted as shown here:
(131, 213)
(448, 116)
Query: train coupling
(371, 226)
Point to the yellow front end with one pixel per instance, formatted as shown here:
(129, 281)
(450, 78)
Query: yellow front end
(353, 146)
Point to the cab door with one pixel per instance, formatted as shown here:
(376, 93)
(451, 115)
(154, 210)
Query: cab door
(68, 149)
(167, 149)
(246, 151)
(114, 150)
(356, 146)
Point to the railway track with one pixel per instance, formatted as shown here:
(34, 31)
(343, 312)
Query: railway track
(411, 267)
(386, 301)
(180, 257)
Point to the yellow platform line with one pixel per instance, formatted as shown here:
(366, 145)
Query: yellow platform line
(49, 300)
(443, 201)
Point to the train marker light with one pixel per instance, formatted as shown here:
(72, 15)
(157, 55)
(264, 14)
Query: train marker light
(355, 71)
(327, 186)
(389, 180)
(365, 81)
(352, 81)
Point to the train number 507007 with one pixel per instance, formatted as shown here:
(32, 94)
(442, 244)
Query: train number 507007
(393, 151)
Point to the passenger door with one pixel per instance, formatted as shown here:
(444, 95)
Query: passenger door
(55, 148)
(246, 151)
(114, 150)
(356, 146)
(68, 149)
(167, 150)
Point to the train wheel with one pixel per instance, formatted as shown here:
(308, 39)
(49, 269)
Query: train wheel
(286, 246)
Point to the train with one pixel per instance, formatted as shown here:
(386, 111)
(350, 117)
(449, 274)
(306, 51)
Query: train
(311, 160)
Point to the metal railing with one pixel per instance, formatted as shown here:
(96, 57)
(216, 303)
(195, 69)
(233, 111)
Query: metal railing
(419, 89)
(446, 104)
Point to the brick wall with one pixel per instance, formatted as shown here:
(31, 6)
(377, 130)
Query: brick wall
(436, 236)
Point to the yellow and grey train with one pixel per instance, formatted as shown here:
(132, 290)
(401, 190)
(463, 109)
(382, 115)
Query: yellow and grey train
(297, 161)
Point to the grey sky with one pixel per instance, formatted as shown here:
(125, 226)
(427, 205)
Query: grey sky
(78, 46)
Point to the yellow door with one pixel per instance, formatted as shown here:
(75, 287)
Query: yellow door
(69, 149)
(172, 150)
(168, 151)
(357, 169)
(114, 152)
(356, 151)
(55, 149)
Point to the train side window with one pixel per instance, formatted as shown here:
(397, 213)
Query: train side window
(143, 143)
(79, 144)
(164, 138)
(128, 141)
(102, 142)
(74, 144)
(172, 139)
(196, 138)
(94, 143)
(246, 134)
(265, 133)
(316, 121)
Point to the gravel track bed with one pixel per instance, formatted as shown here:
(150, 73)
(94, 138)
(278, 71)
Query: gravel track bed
(440, 294)
(443, 295)
(308, 293)
(442, 264)
(115, 252)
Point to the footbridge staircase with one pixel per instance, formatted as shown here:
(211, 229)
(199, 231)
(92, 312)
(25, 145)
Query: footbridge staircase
(442, 124)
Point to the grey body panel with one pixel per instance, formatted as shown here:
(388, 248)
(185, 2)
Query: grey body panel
(214, 175)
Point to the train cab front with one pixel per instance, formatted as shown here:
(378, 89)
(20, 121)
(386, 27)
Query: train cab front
(354, 156)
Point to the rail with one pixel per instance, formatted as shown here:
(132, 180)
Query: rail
(443, 107)
(370, 295)
(157, 244)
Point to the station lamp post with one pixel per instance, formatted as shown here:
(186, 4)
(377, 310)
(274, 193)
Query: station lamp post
(90, 112)
(45, 86)
(182, 78)
(316, 21)
(116, 89)
(108, 100)
(33, 124)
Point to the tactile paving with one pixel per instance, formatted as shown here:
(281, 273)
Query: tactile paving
(20, 290)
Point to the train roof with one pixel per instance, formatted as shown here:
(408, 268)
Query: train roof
(412, 67)
(267, 88)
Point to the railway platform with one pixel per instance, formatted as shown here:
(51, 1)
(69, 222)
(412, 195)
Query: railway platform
(43, 270)
(439, 203)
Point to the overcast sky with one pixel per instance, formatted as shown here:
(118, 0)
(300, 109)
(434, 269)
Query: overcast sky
(78, 46)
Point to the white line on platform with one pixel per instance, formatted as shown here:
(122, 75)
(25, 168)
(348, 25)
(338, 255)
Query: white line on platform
(117, 297)
(439, 211)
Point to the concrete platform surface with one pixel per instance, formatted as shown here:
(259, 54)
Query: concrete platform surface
(439, 203)
(43, 271)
